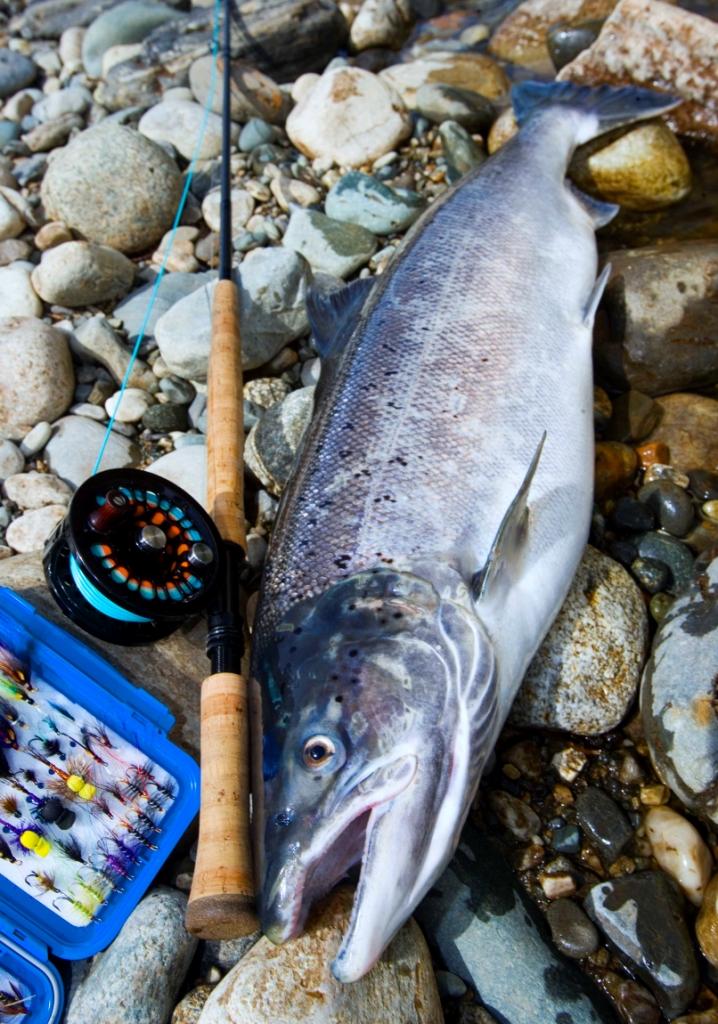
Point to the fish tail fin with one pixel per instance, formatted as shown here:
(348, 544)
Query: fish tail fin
(605, 107)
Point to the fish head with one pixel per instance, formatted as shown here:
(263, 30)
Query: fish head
(374, 740)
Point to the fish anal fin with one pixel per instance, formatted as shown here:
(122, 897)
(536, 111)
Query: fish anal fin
(600, 213)
(503, 564)
(332, 310)
(589, 310)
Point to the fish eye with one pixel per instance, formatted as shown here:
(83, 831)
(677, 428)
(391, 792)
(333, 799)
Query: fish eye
(318, 751)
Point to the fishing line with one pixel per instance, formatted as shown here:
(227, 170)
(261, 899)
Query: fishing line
(178, 216)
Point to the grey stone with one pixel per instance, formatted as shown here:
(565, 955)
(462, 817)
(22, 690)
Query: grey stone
(462, 152)
(438, 102)
(360, 199)
(37, 380)
(165, 417)
(11, 459)
(9, 130)
(604, 822)
(587, 670)
(36, 439)
(172, 288)
(252, 94)
(642, 915)
(16, 71)
(51, 134)
(678, 693)
(135, 187)
(257, 132)
(272, 444)
(96, 340)
(478, 918)
(72, 450)
(181, 122)
(671, 504)
(673, 553)
(273, 284)
(566, 41)
(574, 935)
(329, 245)
(75, 99)
(226, 953)
(82, 273)
(662, 324)
(136, 980)
(123, 23)
(170, 669)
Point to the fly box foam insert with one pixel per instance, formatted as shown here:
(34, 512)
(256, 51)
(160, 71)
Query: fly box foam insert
(93, 799)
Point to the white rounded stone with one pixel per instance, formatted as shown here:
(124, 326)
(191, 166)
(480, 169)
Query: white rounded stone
(36, 439)
(11, 459)
(242, 208)
(680, 851)
(351, 117)
(30, 530)
(82, 273)
(35, 490)
(17, 295)
(11, 223)
(179, 122)
(130, 407)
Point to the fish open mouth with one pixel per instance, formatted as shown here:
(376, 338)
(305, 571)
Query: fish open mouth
(303, 877)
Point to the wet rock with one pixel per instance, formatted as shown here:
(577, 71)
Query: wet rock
(293, 983)
(662, 322)
(361, 199)
(136, 980)
(663, 47)
(18, 298)
(173, 287)
(273, 285)
(635, 1004)
(604, 823)
(179, 122)
(572, 932)
(707, 923)
(678, 693)
(30, 530)
(329, 246)
(190, 1009)
(37, 380)
(440, 103)
(123, 23)
(135, 188)
(521, 38)
(383, 23)
(643, 169)
(16, 72)
(642, 916)
(73, 448)
(615, 468)
(703, 484)
(515, 815)
(689, 427)
(587, 670)
(680, 851)
(34, 490)
(473, 71)
(672, 553)
(652, 575)
(272, 444)
(633, 417)
(350, 117)
(252, 94)
(96, 340)
(630, 514)
(671, 505)
(477, 916)
(82, 273)
(565, 42)
(462, 152)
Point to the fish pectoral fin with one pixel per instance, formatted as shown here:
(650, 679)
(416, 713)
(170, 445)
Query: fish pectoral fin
(332, 310)
(589, 310)
(502, 565)
(600, 213)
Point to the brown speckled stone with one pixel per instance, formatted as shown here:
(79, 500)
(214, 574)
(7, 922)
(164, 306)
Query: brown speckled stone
(689, 426)
(521, 37)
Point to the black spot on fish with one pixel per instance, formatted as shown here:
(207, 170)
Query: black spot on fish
(560, 984)
(339, 698)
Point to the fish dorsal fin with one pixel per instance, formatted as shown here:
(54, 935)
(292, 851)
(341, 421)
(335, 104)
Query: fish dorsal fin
(600, 213)
(589, 310)
(331, 310)
(501, 569)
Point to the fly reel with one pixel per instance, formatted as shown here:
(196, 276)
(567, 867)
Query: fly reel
(133, 558)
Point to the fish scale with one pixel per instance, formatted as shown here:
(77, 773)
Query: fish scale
(437, 512)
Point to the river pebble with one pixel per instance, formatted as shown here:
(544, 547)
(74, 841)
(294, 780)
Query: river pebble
(71, 451)
(350, 117)
(135, 187)
(31, 529)
(34, 490)
(522, 37)
(123, 23)
(186, 467)
(37, 380)
(279, 985)
(12, 460)
(130, 406)
(16, 72)
(642, 917)
(96, 340)
(689, 427)
(604, 822)
(677, 695)
(273, 442)
(18, 297)
(382, 23)
(329, 246)
(190, 1009)
(680, 851)
(364, 200)
(633, 417)
(179, 122)
(36, 439)
(462, 152)
(672, 506)
(565, 42)
(136, 980)
(132, 311)
(473, 71)
(252, 93)
(573, 933)
(707, 923)
(11, 223)
(81, 273)
(673, 554)
(587, 670)
(438, 103)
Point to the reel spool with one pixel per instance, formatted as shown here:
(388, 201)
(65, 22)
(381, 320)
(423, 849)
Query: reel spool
(133, 558)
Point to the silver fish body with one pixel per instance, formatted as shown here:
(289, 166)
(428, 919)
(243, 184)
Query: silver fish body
(387, 664)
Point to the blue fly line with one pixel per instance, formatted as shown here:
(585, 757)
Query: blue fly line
(168, 251)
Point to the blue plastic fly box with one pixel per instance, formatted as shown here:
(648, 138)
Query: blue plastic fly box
(93, 799)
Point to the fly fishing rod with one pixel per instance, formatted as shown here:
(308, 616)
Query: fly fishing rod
(136, 555)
